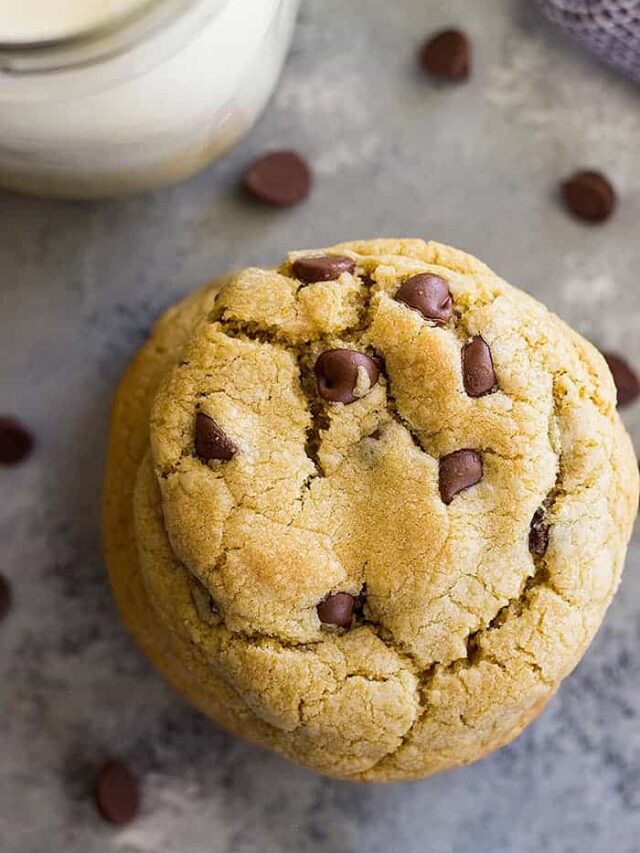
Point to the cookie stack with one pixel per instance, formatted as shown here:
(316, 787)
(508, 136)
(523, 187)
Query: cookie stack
(368, 508)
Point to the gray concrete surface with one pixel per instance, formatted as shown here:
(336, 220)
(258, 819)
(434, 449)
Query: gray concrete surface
(79, 285)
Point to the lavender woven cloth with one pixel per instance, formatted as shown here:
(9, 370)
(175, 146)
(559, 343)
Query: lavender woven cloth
(610, 28)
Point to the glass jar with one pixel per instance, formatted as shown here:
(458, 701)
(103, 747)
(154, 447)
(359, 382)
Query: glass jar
(143, 100)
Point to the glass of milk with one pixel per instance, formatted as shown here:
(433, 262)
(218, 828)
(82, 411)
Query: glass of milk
(103, 97)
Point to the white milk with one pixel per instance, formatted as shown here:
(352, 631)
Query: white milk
(152, 103)
(38, 20)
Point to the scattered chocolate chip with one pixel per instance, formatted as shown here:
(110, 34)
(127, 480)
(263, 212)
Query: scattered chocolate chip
(589, 196)
(477, 368)
(314, 268)
(211, 441)
(116, 793)
(625, 378)
(5, 597)
(429, 295)
(446, 56)
(458, 471)
(538, 534)
(281, 178)
(376, 435)
(344, 376)
(337, 609)
(16, 442)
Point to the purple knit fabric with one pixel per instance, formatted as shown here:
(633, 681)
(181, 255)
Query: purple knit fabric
(610, 28)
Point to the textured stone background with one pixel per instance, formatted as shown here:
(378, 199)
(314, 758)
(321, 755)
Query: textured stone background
(79, 285)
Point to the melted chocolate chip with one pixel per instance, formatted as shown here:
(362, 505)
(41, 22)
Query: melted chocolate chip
(538, 534)
(477, 368)
(343, 376)
(446, 56)
(281, 178)
(459, 471)
(211, 442)
(337, 609)
(625, 378)
(313, 268)
(16, 441)
(429, 295)
(116, 793)
(589, 196)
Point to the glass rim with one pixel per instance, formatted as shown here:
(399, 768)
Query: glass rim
(166, 10)
(106, 43)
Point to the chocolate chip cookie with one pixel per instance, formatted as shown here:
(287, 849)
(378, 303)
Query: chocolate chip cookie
(368, 508)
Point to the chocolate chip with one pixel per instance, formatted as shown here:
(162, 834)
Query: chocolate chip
(376, 435)
(625, 378)
(589, 196)
(116, 793)
(16, 442)
(477, 368)
(458, 471)
(281, 178)
(211, 441)
(337, 609)
(344, 376)
(446, 56)
(429, 295)
(538, 534)
(314, 268)
(5, 597)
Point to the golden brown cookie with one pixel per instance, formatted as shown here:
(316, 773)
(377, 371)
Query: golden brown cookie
(367, 509)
